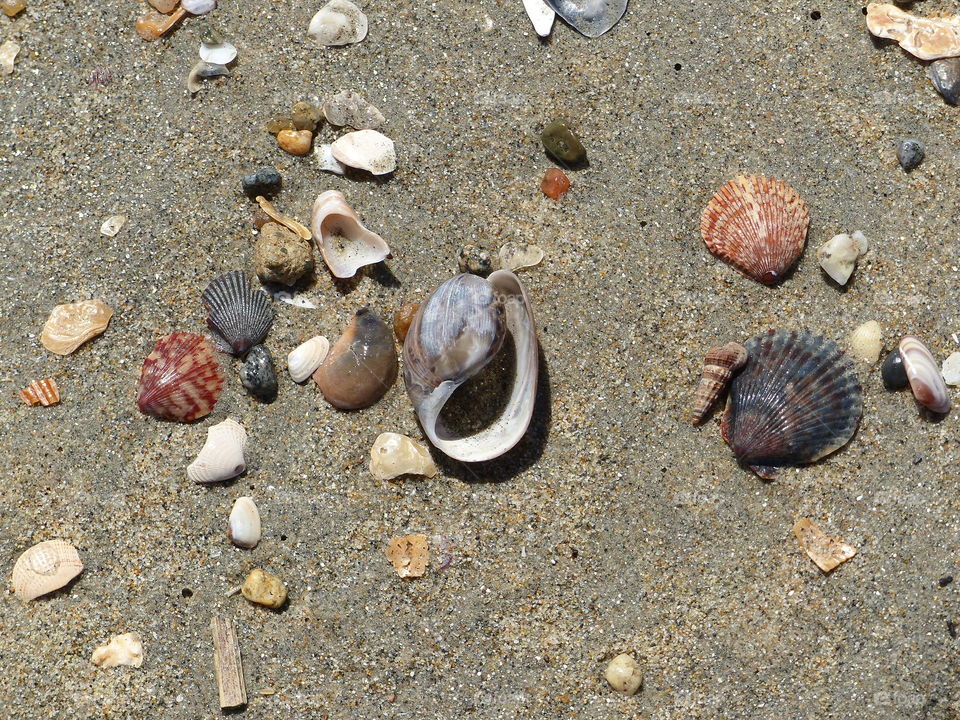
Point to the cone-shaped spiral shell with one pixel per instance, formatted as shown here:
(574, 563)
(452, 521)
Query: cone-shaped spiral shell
(458, 330)
(221, 457)
(180, 379)
(45, 567)
(239, 316)
(926, 380)
(346, 245)
(719, 365)
(757, 224)
(797, 400)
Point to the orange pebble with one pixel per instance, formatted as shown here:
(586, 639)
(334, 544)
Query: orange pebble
(555, 183)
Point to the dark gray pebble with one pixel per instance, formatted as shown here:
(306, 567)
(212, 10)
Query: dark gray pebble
(910, 154)
(265, 181)
(892, 371)
(945, 74)
(258, 374)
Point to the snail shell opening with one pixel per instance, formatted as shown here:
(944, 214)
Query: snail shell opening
(457, 332)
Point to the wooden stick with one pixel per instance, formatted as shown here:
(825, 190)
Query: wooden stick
(226, 663)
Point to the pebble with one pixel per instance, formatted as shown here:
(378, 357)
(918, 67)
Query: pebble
(258, 374)
(951, 369)
(265, 181)
(866, 342)
(8, 55)
(838, 256)
(12, 7)
(281, 256)
(945, 74)
(305, 116)
(561, 142)
(910, 154)
(478, 261)
(624, 674)
(402, 319)
(892, 371)
(295, 142)
(555, 183)
(262, 588)
(279, 123)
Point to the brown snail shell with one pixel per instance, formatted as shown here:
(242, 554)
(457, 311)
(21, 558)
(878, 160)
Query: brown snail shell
(719, 365)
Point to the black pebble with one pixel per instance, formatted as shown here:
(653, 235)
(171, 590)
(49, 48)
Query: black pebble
(258, 374)
(265, 181)
(910, 154)
(952, 629)
(944, 581)
(892, 372)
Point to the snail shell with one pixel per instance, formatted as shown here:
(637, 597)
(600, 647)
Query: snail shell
(719, 365)
(458, 330)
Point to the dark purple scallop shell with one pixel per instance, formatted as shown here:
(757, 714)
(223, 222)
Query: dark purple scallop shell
(239, 316)
(797, 400)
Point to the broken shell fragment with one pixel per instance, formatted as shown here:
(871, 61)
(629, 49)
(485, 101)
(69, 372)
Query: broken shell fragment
(70, 326)
(393, 455)
(123, 649)
(825, 551)
(180, 379)
(361, 366)
(838, 256)
(204, 71)
(153, 25)
(409, 555)
(222, 53)
(41, 392)
(951, 369)
(402, 319)
(758, 225)
(45, 567)
(866, 342)
(239, 316)
(797, 400)
(304, 359)
(112, 225)
(720, 364)
(924, 376)
(516, 256)
(300, 229)
(243, 528)
(262, 588)
(366, 150)
(927, 38)
(222, 455)
(624, 674)
(541, 15)
(350, 109)
(458, 330)
(8, 56)
(345, 244)
(339, 22)
(326, 161)
(590, 17)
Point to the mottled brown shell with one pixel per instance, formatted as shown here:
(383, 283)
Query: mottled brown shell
(41, 392)
(758, 225)
(719, 365)
(180, 380)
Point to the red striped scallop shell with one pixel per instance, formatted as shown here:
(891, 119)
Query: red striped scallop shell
(180, 379)
(757, 224)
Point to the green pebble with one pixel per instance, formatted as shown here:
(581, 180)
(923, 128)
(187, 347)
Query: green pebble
(305, 116)
(278, 124)
(560, 142)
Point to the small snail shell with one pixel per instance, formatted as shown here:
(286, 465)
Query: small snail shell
(719, 365)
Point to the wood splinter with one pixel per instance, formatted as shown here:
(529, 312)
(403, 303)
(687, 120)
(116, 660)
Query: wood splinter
(226, 663)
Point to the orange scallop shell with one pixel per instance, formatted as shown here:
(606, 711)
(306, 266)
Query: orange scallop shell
(180, 379)
(758, 225)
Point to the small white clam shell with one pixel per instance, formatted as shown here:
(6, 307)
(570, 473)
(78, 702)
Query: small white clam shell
(199, 7)
(366, 150)
(222, 455)
(218, 53)
(45, 567)
(541, 15)
(393, 455)
(304, 359)
(951, 369)
(243, 528)
(926, 382)
(346, 245)
(866, 341)
(325, 159)
(123, 649)
(339, 22)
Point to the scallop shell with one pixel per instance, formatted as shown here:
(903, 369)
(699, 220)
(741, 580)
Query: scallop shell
(222, 455)
(797, 400)
(45, 567)
(346, 245)
(239, 316)
(41, 392)
(590, 17)
(757, 224)
(70, 326)
(304, 359)
(924, 375)
(180, 379)
(458, 330)
(719, 365)
(366, 150)
(243, 528)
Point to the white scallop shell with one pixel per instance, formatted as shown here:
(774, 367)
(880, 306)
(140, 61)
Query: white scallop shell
(339, 22)
(304, 359)
(45, 567)
(222, 455)
(123, 649)
(393, 455)
(367, 150)
(346, 245)
(243, 528)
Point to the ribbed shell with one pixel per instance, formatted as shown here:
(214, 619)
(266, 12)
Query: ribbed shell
(719, 365)
(41, 392)
(797, 400)
(45, 567)
(239, 316)
(758, 224)
(180, 379)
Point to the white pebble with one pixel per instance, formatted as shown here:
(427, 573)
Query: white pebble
(339, 22)
(866, 342)
(8, 53)
(951, 369)
(111, 226)
(624, 674)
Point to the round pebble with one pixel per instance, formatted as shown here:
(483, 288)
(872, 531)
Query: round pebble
(281, 256)
(892, 371)
(295, 142)
(258, 374)
(624, 674)
(264, 181)
(910, 154)
(561, 142)
(264, 589)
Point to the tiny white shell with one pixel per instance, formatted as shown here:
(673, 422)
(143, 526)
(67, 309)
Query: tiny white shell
(866, 341)
(346, 245)
(393, 455)
(951, 369)
(243, 528)
(325, 159)
(218, 54)
(222, 455)
(199, 7)
(8, 55)
(541, 15)
(123, 649)
(339, 22)
(514, 256)
(366, 150)
(304, 359)
(45, 567)
(926, 382)
(112, 225)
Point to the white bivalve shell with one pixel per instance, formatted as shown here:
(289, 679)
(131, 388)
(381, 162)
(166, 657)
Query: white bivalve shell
(222, 53)
(541, 15)
(393, 455)
(45, 567)
(243, 528)
(924, 375)
(222, 455)
(346, 245)
(366, 150)
(339, 22)
(304, 359)
(123, 649)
